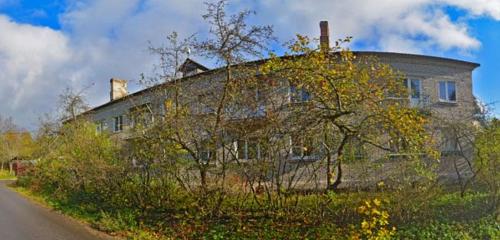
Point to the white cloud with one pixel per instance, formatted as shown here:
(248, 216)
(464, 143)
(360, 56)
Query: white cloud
(111, 38)
(420, 24)
(103, 39)
(30, 64)
(478, 7)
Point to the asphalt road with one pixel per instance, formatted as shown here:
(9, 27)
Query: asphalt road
(21, 219)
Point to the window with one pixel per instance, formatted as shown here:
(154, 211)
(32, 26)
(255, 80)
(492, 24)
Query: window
(354, 151)
(447, 91)
(414, 87)
(298, 95)
(142, 115)
(248, 149)
(302, 147)
(100, 126)
(118, 124)
(449, 141)
(202, 105)
(205, 155)
(257, 104)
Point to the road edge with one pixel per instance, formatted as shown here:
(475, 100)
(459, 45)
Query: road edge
(40, 202)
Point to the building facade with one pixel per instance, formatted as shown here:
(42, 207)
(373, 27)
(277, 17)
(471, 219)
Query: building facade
(439, 86)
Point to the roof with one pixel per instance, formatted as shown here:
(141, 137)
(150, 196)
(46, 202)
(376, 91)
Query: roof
(210, 71)
(388, 54)
(191, 62)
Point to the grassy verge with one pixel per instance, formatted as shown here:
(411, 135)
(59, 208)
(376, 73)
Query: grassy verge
(443, 215)
(98, 220)
(5, 175)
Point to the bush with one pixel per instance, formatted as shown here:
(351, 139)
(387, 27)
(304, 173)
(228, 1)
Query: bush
(5, 175)
(484, 229)
(374, 225)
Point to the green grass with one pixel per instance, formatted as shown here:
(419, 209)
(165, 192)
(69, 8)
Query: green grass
(5, 175)
(440, 215)
(117, 226)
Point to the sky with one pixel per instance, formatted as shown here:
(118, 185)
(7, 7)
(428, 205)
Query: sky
(49, 45)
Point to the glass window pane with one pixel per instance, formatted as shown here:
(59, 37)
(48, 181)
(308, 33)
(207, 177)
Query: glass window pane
(308, 147)
(241, 144)
(296, 146)
(252, 149)
(293, 94)
(442, 90)
(415, 88)
(452, 96)
(305, 96)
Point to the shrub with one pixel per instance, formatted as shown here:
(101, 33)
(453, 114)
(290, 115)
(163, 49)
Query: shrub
(375, 223)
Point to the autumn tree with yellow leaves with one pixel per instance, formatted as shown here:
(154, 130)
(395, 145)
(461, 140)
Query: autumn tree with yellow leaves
(352, 99)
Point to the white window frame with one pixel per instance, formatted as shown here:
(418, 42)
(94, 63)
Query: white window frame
(100, 126)
(242, 151)
(446, 82)
(410, 89)
(414, 101)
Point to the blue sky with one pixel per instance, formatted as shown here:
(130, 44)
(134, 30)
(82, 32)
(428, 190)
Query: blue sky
(48, 45)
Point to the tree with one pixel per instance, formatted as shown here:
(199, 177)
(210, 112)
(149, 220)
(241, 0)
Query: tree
(7, 124)
(72, 103)
(349, 98)
(231, 41)
(196, 118)
(14, 142)
(487, 161)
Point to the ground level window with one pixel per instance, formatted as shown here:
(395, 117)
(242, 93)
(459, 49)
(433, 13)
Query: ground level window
(249, 149)
(302, 147)
(449, 141)
(205, 155)
(100, 126)
(118, 126)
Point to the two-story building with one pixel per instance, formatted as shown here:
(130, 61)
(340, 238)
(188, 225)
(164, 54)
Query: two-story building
(441, 86)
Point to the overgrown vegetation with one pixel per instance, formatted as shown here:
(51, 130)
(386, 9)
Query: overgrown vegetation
(215, 165)
(6, 175)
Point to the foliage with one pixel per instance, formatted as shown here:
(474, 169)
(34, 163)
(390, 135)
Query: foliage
(79, 161)
(353, 98)
(488, 157)
(374, 225)
(6, 175)
(15, 144)
(215, 165)
(314, 217)
(485, 228)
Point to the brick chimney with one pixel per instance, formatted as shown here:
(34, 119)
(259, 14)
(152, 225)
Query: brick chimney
(118, 88)
(324, 39)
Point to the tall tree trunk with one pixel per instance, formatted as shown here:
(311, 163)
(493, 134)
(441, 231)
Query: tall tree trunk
(329, 173)
(203, 179)
(338, 180)
(340, 154)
